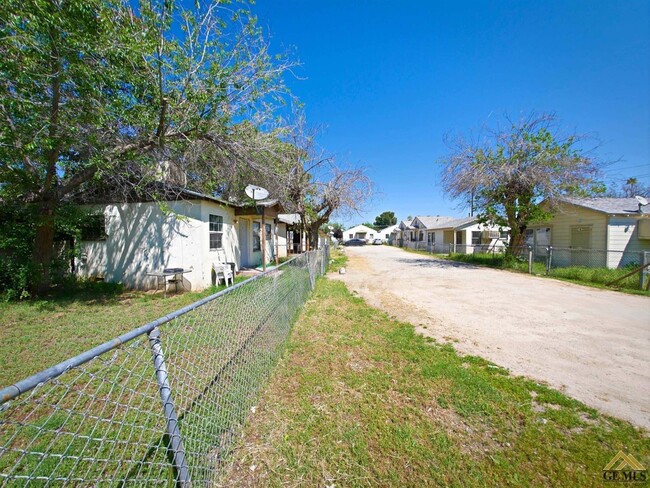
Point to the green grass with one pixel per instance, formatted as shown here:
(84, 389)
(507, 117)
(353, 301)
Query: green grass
(103, 421)
(338, 259)
(73, 320)
(362, 400)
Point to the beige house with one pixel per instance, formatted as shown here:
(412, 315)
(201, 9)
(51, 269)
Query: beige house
(612, 232)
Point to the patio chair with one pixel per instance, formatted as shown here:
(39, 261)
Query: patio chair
(223, 270)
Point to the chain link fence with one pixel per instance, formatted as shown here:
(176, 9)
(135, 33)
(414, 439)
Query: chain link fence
(161, 404)
(620, 268)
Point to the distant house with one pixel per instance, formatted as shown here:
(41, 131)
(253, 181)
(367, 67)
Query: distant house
(291, 235)
(124, 241)
(615, 230)
(359, 232)
(385, 234)
(464, 235)
(400, 233)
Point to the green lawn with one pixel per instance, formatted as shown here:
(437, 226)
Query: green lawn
(41, 333)
(362, 400)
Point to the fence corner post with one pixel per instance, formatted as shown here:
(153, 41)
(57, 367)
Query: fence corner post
(171, 419)
(530, 259)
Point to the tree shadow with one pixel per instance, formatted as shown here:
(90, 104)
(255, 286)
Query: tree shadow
(81, 291)
(436, 263)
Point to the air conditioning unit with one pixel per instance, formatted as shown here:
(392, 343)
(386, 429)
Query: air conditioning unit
(490, 234)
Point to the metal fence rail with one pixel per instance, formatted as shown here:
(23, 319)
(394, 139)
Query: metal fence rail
(161, 404)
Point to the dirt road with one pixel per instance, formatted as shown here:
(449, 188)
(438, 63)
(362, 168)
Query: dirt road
(592, 344)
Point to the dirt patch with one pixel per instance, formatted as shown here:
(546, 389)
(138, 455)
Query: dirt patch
(590, 343)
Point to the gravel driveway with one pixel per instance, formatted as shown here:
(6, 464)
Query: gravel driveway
(592, 344)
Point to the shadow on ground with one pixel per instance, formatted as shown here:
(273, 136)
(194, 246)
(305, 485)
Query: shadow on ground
(436, 263)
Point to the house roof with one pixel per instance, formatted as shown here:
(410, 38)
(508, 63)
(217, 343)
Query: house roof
(203, 196)
(441, 222)
(456, 223)
(610, 206)
(360, 227)
(388, 230)
(405, 224)
(291, 219)
(432, 221)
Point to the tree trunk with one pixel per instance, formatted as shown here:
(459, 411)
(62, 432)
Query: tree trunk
(313, 235)
(43, 250)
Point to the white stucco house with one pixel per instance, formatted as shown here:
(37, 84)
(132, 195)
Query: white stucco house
(125, 241)
(360, 232)
(385, 234)
(440, 234)
(612, 232)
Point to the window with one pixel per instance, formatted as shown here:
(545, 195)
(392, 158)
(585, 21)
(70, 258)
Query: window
(268, 232)
(503, 235)
(431, 237)
(476, 237)
(94, 228)
(421, 236)
(351, 236)
(257, 242)
(529, 237)
(216, 232)
(371, 236)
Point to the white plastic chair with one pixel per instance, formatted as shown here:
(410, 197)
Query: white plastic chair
(223, 270)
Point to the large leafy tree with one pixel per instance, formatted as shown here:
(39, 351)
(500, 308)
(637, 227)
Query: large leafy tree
(107, 95)
(385, 219)
(509, 172)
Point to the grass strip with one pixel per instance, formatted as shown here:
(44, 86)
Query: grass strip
(362, 400)
(594, 277)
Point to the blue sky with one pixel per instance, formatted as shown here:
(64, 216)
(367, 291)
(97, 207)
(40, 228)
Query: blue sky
(387, 80)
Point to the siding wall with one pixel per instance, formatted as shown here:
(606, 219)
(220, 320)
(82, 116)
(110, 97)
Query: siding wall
(571, 216)
(623, 235)
(608, 233)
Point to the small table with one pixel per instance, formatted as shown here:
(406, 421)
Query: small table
(161, 278)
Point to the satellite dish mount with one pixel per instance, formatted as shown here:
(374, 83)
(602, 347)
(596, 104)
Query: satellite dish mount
(642, 202)
(258, 193)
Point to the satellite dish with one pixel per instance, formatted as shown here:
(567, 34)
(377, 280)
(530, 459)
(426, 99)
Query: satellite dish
(641, 200)
(256, 192)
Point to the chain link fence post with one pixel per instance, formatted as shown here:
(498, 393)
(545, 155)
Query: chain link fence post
(530, 259)
(549, 259)
(645, 259)
(175, 440)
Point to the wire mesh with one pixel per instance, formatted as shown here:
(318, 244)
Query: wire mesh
(103, 422)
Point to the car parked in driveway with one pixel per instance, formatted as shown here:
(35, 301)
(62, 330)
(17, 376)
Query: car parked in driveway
(355, 242)
(377, 242)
